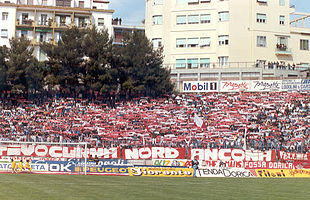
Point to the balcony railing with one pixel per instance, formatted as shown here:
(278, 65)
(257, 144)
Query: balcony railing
(45, 23)
(214, 65)
(226, 65)
(25, 22)
(63, 24)
(282, 49)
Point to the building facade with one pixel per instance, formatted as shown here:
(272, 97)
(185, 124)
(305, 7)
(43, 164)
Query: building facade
(229, 39)
(45, 20)
(119, 30)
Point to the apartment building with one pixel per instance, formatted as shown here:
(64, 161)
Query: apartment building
(45, 20)
(229, 39)
(120, 29)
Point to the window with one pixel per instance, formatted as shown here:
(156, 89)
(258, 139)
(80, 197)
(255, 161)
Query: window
(282, 43)
(282, 40)
(43, 19)
(261, 41)
(223, 39)
(205, 42)
(181, 19)
(64, 3)
(181, 42)
(204, 19)
(100, 21)
(44, 2)
(158, 19)
(5, 16)
(4, 33)
(81, 4)
(204, 62)
(192, 63)
(158, 2)
(42, 37)
(223, 61)
(261, 18)
(282, 2)
(24, 33)
(157, 42)
(262, 1)
(282, 20)
(304, 45)
(224, 16)
(192, 42)
(180, 63)
(193, 19)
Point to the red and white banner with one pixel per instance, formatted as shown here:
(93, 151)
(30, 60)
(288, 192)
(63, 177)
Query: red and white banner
(231, 155)
(267, 165)
(56, 151)
(154, 153)
(294, 156)
(301, 164)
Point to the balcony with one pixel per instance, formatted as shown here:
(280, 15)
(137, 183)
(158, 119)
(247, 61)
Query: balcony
(46, 23)
(63, 25)
(208, 65)
(25, 22)
(83, 25)
(281, 49)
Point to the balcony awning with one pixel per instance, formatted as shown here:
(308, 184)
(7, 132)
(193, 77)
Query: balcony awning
(43, 30)
(24, 29)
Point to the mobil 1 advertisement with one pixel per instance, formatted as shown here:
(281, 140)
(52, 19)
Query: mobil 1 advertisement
(200, 86)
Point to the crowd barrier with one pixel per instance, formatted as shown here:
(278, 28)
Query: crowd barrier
(246, 86)
(158, 161)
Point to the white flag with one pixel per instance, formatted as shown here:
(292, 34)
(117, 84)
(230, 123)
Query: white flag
(198, 121)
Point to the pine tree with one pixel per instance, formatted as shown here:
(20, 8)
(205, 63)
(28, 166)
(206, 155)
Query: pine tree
(20, 56)
(144, 72)
(3, 68)
(65, 61)
(100, 75)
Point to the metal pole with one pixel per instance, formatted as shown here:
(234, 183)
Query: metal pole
(85, 158)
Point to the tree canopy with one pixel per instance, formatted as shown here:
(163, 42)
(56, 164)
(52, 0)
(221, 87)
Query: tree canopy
(86, 62)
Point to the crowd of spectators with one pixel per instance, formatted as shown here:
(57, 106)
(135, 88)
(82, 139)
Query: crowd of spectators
(275, 120)
(276, 65)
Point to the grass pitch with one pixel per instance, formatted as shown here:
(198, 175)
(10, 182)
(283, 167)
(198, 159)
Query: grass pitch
(41, 187)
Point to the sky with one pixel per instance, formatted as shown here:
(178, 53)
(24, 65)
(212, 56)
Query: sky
(132, 12)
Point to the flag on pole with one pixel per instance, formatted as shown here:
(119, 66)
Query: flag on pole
(198, 121)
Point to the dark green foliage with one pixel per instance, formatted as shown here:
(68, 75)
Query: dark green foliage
(100, 75)
(87, 62)
(144, 72)
(23, 71)
(3, 67)
(65, 61)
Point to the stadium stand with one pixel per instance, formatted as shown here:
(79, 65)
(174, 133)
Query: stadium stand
(274, 120)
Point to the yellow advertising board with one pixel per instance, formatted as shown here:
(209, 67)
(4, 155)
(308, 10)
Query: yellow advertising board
(160, 171)
(283, 173)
